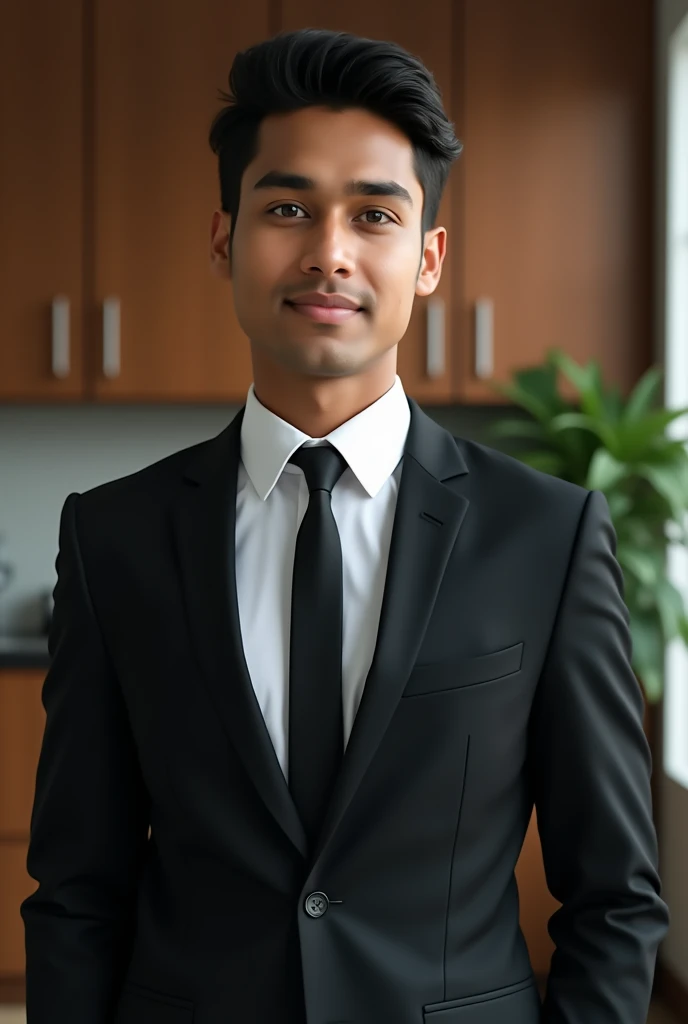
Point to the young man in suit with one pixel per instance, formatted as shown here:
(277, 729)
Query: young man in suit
(310, 677)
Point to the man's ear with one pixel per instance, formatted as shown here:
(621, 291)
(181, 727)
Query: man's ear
(219, 244)
(434, 251)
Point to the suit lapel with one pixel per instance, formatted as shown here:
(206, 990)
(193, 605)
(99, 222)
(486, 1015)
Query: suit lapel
(426, 524)
(205, 519)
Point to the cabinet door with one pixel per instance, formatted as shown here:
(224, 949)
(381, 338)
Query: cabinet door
(536, 903)
(17, 885)
(424, 377)
(41, 179)
(22, 722)
(556, 120)
(164, 327)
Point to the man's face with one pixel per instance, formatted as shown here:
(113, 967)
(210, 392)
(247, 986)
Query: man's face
(303, 227)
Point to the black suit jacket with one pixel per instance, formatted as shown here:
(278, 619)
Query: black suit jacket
(501, 678)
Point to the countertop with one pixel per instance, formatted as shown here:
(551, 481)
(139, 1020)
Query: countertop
(24, 652)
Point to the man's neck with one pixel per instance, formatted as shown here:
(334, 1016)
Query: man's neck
(317, 405)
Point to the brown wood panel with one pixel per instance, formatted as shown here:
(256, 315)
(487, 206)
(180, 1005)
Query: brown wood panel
(536, 902)
(41, 181)
(13, 992)
(22, 721)
(15, 885)
(430, 38)
(555, 112)
(158, 68)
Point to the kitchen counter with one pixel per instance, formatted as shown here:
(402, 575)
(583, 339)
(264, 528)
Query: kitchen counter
(24, 652)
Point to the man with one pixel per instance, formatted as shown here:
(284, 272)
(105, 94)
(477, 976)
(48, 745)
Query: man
(309, 677)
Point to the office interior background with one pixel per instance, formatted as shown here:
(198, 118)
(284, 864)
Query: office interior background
(567, 216)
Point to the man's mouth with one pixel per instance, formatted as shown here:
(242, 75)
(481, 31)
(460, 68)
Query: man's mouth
(323, 314)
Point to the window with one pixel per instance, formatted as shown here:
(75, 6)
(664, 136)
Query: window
(676, 393)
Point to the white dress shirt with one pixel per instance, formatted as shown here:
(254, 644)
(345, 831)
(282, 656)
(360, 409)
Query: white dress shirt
(272, 498)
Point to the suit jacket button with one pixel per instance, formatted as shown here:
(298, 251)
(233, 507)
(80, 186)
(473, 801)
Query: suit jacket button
(317, 904)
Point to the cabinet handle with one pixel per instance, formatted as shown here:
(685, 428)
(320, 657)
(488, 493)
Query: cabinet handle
(435, 338)
(60, 333)
(484, 338)
(111, 337)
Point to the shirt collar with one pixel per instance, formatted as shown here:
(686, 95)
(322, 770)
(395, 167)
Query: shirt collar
(372, 442)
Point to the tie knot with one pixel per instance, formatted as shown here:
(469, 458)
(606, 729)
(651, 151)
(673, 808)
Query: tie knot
(322, 465)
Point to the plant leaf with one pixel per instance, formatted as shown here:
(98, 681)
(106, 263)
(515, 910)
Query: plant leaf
(626, 449)
(531, 403)
(619, 504)
(669, 450)
(635, 438)
(613, 404)
(648, 653)
(651, 680)
(671, 608)
(546, 462)
(683, 629)
(582, 421)
(517, 428)
(586, 379)
(535, 388)
(644, 566)
(640, 399)
(672, 485)
(604, 471)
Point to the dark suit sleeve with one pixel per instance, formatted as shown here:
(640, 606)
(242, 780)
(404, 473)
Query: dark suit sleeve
(89, 825)
(590, 768)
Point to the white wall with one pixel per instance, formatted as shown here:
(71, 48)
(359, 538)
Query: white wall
(48, 451)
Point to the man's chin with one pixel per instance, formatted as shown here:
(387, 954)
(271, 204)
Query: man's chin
(323, 356)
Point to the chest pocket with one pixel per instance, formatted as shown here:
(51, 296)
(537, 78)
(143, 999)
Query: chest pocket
(454, 675)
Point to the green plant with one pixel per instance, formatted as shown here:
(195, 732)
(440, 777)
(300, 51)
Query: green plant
(620, 447)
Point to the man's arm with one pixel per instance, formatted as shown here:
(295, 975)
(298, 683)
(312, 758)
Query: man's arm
(89, 824)
(590, 768)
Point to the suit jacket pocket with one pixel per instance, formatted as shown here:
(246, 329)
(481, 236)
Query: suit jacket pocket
(513, 1004)
(139, 1005)
(458, 674)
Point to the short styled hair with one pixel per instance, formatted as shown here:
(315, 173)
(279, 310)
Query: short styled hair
(319, 68)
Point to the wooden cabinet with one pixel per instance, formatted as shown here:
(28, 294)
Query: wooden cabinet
(536, 901)
(15, 886)
(158, 68)
(22, 721)
(107, 188)
(41, 200)
(555, 220)
(432, 40)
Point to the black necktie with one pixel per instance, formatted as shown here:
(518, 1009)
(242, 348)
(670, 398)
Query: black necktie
(316, 740)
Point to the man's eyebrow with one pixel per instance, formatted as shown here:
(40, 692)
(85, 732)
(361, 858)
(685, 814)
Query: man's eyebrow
(299, 182)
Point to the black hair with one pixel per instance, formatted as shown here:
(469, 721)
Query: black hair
(317, 67)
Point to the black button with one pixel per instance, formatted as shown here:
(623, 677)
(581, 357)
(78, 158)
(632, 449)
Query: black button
(317, 904)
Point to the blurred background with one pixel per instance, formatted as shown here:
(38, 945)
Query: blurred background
(567, 216)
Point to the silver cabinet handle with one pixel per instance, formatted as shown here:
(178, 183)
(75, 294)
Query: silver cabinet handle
(484, 338)
(60, 342)
(435, 338)
(111, 337)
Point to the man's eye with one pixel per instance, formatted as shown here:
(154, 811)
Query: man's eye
(381, 213)
(295, 210)
(286, 206)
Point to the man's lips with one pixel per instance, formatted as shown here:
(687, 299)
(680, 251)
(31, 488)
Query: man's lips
(323, 314)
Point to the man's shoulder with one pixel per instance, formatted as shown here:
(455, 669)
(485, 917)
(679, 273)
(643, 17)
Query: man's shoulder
(515, 481)
(512, 501)
(152, 483)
